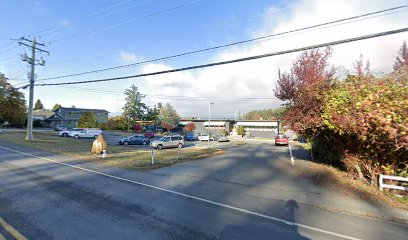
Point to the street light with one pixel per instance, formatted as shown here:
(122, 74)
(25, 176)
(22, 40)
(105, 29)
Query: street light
(209, 122)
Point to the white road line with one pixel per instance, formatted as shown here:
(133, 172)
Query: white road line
(292, 160)
(190, 196)
(16, 234)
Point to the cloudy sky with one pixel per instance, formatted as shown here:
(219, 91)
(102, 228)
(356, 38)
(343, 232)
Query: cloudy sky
(90, 35)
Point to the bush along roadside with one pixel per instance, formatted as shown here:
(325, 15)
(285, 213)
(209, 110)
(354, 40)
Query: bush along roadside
(359, 123)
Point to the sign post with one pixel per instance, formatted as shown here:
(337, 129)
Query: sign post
(178, 151)
(152, 153)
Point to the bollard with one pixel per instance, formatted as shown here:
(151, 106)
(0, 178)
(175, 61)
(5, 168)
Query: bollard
(104, 154)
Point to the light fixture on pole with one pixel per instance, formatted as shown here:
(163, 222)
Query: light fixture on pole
(209, 122)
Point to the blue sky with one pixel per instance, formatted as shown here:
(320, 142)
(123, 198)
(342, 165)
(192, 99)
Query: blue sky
(128, 31)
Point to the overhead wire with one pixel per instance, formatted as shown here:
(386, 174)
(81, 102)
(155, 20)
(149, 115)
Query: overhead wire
(128, 21)
(103, 16)
(120, 10)
(211, 49)
(58, 27)
(174, 37)
(229, 44)
(8, 50)
(172, 97)
(332, 43)
(11, 41)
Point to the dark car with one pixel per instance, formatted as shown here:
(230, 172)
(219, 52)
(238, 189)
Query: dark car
(149, 134)
(281, 140)
(190, 137)
(134, 140)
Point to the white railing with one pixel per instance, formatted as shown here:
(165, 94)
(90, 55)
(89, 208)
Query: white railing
(382, 185)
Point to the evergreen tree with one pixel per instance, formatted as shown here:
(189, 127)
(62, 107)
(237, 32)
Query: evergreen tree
(56, 106)
(38, 105)
(134, 108)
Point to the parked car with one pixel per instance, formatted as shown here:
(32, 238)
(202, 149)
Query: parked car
(221, 138)
(204, 137)
(190, 137)
(66, 133)
(86, 133)
(281, 139)
(1, 130)
(149, 134)
(168, 142)
(134, 140)
(60, 128)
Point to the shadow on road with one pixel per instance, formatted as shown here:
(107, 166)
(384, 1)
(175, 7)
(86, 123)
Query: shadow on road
(266, 231)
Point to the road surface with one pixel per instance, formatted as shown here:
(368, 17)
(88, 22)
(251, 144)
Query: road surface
(238, 195)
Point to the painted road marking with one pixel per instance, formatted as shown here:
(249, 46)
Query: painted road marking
(16, 234)
(292, 160)
(190, 196)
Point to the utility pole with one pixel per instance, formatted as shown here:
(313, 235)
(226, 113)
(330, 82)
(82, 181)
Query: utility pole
(32, 61)
(209, 122)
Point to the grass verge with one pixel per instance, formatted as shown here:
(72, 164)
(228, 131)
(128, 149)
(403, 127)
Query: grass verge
(121, 157)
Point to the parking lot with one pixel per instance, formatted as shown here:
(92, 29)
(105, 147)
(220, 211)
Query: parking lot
(112, 139)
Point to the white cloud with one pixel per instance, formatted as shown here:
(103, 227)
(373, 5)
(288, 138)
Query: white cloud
(257, 78)
(127, 57)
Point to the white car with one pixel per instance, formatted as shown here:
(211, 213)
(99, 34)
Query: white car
(86, 133)
(204, 137)
(1, 130)
(66, 133)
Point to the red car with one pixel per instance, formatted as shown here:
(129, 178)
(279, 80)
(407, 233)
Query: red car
(149, 134)
(281, 139)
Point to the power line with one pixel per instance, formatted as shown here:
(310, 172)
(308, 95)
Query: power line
(369, 36)
(103, 16)
(173, 37)
(128, 21)
(11, 41)
(172, 97)
(120, 10)
(8, 50)
(226, 45)
(58, 28)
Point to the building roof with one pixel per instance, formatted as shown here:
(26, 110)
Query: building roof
(55, 117)
(258, 123)
(214, 123)
(81, 110)
(42, 112)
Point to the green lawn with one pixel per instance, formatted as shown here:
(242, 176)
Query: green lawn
(122, 157)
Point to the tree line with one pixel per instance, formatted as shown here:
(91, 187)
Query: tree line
(264, 114)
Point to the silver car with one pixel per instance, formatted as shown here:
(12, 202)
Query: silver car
(221, 138)
(66, 133)
(169, 142)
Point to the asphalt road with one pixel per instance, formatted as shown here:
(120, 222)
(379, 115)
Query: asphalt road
(238, 195)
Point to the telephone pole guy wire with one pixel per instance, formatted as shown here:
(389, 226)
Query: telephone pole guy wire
(31, 61)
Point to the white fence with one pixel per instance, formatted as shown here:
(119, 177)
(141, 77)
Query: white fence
(382, 185)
